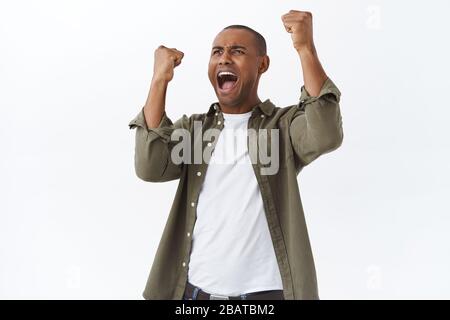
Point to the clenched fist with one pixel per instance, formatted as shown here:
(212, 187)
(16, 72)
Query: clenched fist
(166, 59)
(299, 25)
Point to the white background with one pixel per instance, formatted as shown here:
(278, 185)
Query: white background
(75, 221)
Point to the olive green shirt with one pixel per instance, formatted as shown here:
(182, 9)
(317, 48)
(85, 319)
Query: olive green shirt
(306, 130)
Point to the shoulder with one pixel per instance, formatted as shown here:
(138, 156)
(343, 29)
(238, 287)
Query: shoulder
(282, 116)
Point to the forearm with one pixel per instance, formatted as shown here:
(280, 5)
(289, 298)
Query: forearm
(156, 101)
(313, 74)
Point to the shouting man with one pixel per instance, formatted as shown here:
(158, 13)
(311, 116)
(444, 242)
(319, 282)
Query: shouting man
(234, 230)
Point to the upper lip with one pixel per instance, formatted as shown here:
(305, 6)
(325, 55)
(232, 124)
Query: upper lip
(226, 70)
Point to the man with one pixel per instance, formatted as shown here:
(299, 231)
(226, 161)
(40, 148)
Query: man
(234, 230)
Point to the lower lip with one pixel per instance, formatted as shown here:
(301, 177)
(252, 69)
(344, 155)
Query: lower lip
(227, 91)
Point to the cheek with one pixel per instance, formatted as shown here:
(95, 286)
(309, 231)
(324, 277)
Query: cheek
(210, 77)
(249, 72)
(211, 68)
(248, 79)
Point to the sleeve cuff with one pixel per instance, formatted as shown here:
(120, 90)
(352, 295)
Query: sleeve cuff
(163, 129)
(328, 88)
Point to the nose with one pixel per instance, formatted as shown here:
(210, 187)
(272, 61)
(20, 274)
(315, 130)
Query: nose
(225, 58)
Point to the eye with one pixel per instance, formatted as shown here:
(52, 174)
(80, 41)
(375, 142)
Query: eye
(238, 51)
(216, 51)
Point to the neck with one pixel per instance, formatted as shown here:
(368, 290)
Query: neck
(242, 107)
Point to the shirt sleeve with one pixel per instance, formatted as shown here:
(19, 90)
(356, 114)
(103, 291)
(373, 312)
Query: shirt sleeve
(316, 126)
(152, 160)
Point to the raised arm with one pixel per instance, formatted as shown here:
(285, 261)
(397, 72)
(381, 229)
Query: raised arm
(164, 63)
(153, 161)
(316, 125)
(299, 25)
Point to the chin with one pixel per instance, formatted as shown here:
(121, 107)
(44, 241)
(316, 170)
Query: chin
(230, 102)
(233, 100)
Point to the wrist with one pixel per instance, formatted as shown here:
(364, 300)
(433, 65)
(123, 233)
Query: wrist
(306, 50)
(159, 80)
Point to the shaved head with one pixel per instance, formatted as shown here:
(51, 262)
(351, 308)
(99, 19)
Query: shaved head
(259, 39)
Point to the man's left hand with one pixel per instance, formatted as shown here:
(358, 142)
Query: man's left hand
(299, 25)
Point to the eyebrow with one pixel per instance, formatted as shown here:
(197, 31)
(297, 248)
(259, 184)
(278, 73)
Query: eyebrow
(231, 47)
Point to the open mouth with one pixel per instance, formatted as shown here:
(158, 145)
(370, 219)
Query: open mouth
(226, 80)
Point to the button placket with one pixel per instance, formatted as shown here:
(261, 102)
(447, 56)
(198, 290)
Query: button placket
(191, 224)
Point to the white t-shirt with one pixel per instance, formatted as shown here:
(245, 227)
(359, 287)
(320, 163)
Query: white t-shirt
(232, 250)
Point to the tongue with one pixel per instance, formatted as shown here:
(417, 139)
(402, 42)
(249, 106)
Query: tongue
(228, 85)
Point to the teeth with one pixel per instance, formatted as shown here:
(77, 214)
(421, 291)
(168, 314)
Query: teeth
(223, 73)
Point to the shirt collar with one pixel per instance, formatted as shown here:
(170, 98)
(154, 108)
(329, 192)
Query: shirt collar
(265, 107)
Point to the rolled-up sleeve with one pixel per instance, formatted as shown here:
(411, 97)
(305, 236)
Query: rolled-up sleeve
(153, 146)
(316, 126)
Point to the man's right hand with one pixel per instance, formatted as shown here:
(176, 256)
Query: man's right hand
(166, 59)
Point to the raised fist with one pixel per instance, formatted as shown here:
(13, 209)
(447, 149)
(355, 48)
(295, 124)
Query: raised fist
(166, 59)
(299, 25)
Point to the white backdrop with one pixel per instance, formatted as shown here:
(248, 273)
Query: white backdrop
(75, 221)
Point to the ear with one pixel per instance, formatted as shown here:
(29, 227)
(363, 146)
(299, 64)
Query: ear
(264, 65)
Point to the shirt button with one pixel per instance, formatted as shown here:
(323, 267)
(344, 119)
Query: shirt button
(184, 264)
(262, 116)
(192, 204)
(217, 113)
(188, 234)
(199, 173)
(219, 122)
(209, 144)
